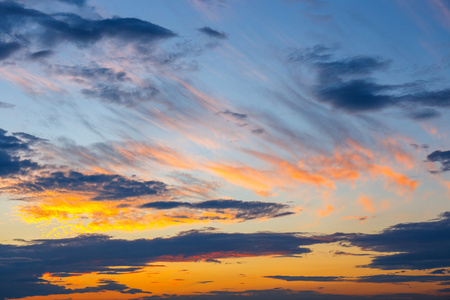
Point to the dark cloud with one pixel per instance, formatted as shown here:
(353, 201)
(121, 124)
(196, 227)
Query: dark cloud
(104, 186)
(421, 245)
(392, 278)
(440, 271)
(53, 29)
(6, 49)
(442, 157)
(307, 278)
(424, 114)
(6, 105)
(258, 131)
(348, 84)
(21, 265)
(114, 93)
(80, 73)
(245, 209)
(110, 285)
(235, 115)
(286, 294)
(356, 95)
(79, 3)
(12, 147)
(41, 54)
(39, 287)
(108, 85)
(212, 33)
(383, 278)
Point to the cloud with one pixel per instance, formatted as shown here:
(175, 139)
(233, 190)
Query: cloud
(420, 246)
(6, 105)
(442, 157)
(348, 84)
(287, 294)
(41, 54)
(235, 115)
(79, 3)
(11, 149)
(24, 264)
(103, 186)
(54, 29)
(7, 49)
(241, 209)
(382, 278)
(213, 33)
(40, 287)
(307, 278)
(392, 278)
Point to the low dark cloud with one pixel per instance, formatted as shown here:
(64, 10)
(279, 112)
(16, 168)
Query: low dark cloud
(39, 287)
(440, 271)
(12, 147)
(307, 278)
(103, 186)
(21, 265)
(420, 246)
(212, 33)
(383, 278)
(348, 84)
(392, 278)
(286, 294)
(443, 157)
(246, 210)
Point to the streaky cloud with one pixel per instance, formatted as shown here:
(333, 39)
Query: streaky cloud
(213, 33)
(246, 210)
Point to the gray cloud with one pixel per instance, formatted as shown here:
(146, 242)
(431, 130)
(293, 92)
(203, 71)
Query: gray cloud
(246, 210)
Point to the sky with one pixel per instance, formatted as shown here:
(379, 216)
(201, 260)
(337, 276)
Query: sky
(224, 149)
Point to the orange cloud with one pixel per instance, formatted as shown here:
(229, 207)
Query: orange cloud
(326, 211)
(395, 149)
(79, 214)
(367, 203)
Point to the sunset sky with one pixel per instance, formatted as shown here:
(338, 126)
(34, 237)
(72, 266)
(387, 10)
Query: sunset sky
(225, 149)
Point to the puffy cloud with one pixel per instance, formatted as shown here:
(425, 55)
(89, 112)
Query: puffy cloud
(102, 186)
(421, 245)
(442, 157)
(11, 149)
(348, 84)
(54, 29)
